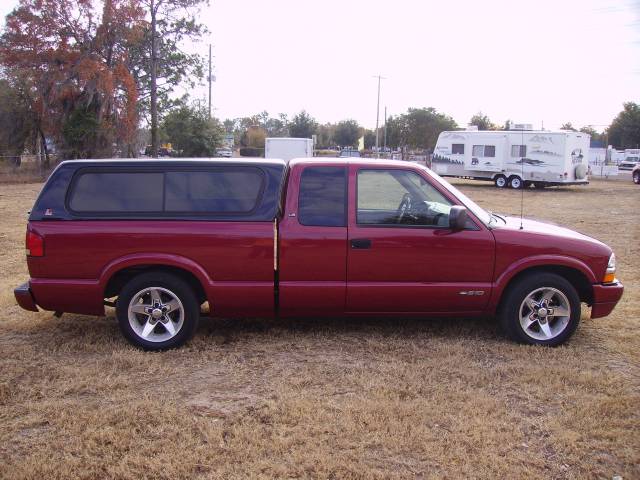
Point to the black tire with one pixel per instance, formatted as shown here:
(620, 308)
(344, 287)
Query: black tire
(515, 182)
(167, 282)
(509, 311)
(500, 181)
(636, 177)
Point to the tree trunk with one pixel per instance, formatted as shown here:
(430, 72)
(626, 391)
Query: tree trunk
(154, 86)
(44, 161)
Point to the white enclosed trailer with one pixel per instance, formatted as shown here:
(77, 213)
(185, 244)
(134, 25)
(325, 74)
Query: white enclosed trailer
(288, 148)
(514, 158)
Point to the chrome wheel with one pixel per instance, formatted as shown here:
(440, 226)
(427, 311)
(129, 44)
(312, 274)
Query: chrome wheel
(155, 314)
(500, 181)
(545, 313)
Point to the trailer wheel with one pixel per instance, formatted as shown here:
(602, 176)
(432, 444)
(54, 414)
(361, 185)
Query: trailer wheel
(515, 182)
(636, 177)
(500, 181)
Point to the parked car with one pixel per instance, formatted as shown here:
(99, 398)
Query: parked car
(635, 174)
(224, 153)
(629, 163)
(347, 153)
(322, 237)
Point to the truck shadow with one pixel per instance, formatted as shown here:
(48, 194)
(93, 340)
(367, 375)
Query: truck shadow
(237, 329)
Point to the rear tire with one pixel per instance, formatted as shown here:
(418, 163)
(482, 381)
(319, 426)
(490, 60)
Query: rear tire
(515, 182)
(636, 177)
(157, 311)
(500, 181)
(540, 309)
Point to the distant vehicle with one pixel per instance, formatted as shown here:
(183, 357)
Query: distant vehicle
(347, 153)
(514, 158)
(636, 175)
(287, 149)
(164, 150)
(224, 152)
(629, 163)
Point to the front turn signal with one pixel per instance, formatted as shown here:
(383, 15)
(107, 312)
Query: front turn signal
(610, 274)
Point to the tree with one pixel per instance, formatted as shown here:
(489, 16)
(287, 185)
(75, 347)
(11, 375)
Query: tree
(347, 133)
(370, 138)
(303, 125)
(17, 127)
(190, 130)
(171, 21)
(254, 137)
(624, 131)
(70, 58)
(420, 127)
(568, 126)
(481, 121)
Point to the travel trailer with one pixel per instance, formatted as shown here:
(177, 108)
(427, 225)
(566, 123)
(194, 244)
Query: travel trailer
(514, 158)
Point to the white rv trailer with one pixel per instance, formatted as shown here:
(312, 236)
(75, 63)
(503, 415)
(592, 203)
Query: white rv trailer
(514, 158)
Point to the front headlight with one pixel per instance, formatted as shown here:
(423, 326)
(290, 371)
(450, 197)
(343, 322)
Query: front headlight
(610, 274)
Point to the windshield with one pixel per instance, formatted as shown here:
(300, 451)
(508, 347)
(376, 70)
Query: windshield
(476, 209)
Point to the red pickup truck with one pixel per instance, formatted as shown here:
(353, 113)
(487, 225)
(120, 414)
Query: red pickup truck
(314, 237)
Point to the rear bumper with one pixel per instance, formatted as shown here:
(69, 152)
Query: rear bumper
(605, 298)
(24, 297)
(61, 295)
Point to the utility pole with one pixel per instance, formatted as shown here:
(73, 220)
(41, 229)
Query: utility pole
(378, 117)
(385, 129)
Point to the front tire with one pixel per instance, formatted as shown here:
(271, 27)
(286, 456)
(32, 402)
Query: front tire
(540, 309)
(157, 311)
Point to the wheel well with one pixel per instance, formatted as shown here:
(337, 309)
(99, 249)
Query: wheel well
(120, 279)
(575, 277)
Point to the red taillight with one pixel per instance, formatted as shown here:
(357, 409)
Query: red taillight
(35, 244)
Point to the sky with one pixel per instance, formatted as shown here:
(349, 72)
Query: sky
(551, 61)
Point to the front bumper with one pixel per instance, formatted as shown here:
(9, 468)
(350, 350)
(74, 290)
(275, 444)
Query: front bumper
(24, 297)
(605, 298)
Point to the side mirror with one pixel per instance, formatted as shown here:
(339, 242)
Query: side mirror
(457, 217)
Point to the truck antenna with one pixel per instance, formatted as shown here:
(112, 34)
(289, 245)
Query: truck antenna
(522, 174)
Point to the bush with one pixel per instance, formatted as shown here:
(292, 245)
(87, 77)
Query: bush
(251, 152)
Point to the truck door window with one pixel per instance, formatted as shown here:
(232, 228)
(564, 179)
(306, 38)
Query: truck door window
(401, 198)
(323, 197)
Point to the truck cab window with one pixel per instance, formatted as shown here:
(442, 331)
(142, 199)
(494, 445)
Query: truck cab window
(323, 197)
(399, 197)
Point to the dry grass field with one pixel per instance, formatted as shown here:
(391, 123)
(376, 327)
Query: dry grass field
(327, 398)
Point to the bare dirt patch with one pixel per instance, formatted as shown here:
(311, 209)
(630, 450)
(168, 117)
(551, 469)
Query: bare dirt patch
(367, 398)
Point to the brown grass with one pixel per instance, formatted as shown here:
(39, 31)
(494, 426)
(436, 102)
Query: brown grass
(328, 399)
